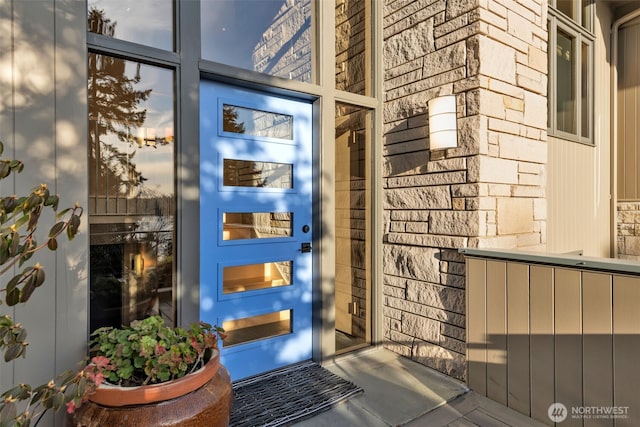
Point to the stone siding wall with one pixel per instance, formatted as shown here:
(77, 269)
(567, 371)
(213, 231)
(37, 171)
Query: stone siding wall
(628, 230)
(488, 192)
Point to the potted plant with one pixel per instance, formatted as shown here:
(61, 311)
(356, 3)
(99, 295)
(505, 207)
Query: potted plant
(24, 404)
(152, 373)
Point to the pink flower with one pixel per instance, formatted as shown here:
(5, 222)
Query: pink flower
(98, 379)
(101, 362)
(160, 350)
(71, 407)
(195, 345)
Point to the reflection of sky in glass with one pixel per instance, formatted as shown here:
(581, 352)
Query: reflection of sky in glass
(154, 162)
(231, 30)
(147, 22)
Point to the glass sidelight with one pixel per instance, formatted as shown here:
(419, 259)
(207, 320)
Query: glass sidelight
(131, 191)
(353, 227)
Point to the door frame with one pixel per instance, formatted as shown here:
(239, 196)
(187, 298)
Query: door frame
(323, 188)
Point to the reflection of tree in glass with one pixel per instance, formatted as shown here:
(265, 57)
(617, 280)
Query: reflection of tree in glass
(230, 120)
(113, 109)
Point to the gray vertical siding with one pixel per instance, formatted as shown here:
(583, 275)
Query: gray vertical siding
(43, 118)
(550, 329)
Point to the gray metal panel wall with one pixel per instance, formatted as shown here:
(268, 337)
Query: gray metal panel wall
(43, 116)
(572, 336)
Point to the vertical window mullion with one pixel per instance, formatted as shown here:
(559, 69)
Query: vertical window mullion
(552, 78)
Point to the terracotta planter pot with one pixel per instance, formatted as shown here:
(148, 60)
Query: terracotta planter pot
(200, 399)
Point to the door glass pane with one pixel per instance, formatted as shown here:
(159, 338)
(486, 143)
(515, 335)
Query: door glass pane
(565, 76)
(353, 226)
(147, 22)
(131, 191)
(248, 121)
(241, 278)
(260, 225)
(353, 46)
(273, 37)
(257, 327)
(249, 173)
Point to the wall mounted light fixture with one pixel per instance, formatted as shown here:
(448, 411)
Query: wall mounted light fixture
(442, 123)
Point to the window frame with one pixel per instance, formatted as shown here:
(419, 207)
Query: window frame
(558, 21)
(126, 50)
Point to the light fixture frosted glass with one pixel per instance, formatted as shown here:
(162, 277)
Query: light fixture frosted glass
(442, 123)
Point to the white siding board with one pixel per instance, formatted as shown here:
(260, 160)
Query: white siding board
(579, 175)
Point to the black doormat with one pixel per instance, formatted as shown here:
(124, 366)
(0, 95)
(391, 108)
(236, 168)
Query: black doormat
(280, 397)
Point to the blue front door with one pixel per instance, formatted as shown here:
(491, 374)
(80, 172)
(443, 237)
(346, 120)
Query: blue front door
(256, 226)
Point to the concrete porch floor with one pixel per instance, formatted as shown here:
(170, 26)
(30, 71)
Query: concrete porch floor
(401, 392)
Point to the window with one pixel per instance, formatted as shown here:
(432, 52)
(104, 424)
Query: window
(272, 37)
(570, 94)
(121, 20)
(131, 157)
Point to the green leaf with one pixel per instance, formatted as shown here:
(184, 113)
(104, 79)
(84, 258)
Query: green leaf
(8, 412)
(4, 170)
(52, 201)
(56, 229)
(4, 254)
(70, 392)
(21, 335)
(34, 216)
(74, 224)
(58, 400)
(6, 321)
(39, 393)
(10, 204)
(13, 352)
(31, 202)
(125, 371)
(13, 285)
(24, 258)
(62, 213)
(40, 276)
(52, 244)
(28, 288)
(12, 298)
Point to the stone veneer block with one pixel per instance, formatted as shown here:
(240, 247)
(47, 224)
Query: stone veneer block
(519, 148)
(409, 44)
(418, 198)
(412, 262)
(454, 223)
(515, 215)
(493, 170)
(535, 110)
(497, 60)
(446, 59)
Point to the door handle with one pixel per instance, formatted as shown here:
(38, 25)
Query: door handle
(305, 247)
